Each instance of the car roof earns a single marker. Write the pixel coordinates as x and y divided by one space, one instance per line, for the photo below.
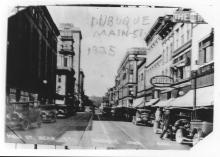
142 110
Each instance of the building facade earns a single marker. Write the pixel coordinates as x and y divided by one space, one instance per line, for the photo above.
153 58
139 100
31 56
127 76
65 80
82 90
77 60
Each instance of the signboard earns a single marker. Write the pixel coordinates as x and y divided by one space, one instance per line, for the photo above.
187 17
161 81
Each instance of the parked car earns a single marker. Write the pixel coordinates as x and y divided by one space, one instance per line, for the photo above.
179 118
62 111
48 113
23 115
200 126
106 112
142 116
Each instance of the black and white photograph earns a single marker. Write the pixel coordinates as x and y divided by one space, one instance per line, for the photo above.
108 76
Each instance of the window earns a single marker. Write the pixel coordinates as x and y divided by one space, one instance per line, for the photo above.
188 34
124 76
171 50
180 73
182 39
168 95
206 50
65 63
166 72
177 43
163 56
142 76
59 78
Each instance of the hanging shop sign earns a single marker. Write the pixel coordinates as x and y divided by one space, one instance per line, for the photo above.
188 16
161 81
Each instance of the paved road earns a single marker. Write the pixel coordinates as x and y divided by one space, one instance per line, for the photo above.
50 132
82 131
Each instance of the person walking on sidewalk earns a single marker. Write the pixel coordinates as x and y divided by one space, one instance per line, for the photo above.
167 123
158 115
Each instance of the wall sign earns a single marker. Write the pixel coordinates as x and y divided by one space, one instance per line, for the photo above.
161 81
187 17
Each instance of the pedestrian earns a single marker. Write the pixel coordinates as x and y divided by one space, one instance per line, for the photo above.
158 115
157 120
167 123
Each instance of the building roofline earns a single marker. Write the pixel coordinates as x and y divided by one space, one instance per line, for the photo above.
48 16
132 51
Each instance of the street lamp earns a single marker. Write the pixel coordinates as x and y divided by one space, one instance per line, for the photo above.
44 90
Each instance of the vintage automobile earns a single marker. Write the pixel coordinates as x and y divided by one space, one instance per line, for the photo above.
142 116
201 125
62 111
179 118
48 113
106 112
23 115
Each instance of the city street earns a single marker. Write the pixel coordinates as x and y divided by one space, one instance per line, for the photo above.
80 131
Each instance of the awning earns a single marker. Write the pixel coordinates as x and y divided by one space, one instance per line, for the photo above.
138 102
164 103
151 102
118 106
204 97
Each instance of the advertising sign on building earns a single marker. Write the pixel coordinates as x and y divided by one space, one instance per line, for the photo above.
161 81
188 16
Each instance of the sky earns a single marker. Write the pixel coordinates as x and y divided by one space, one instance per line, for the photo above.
106 35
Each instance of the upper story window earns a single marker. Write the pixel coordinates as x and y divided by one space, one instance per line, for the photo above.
182 39
177 43
65 63
124 76
206 54
167 55
59 78
188 34
142 77
163 56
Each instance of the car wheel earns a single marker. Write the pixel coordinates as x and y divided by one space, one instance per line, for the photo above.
179 136
25 125
197 136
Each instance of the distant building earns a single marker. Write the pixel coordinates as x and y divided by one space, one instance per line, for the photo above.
82 97
31 55
139 101
65 80
127 76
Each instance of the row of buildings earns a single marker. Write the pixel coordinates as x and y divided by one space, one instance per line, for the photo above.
43 61
176 68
